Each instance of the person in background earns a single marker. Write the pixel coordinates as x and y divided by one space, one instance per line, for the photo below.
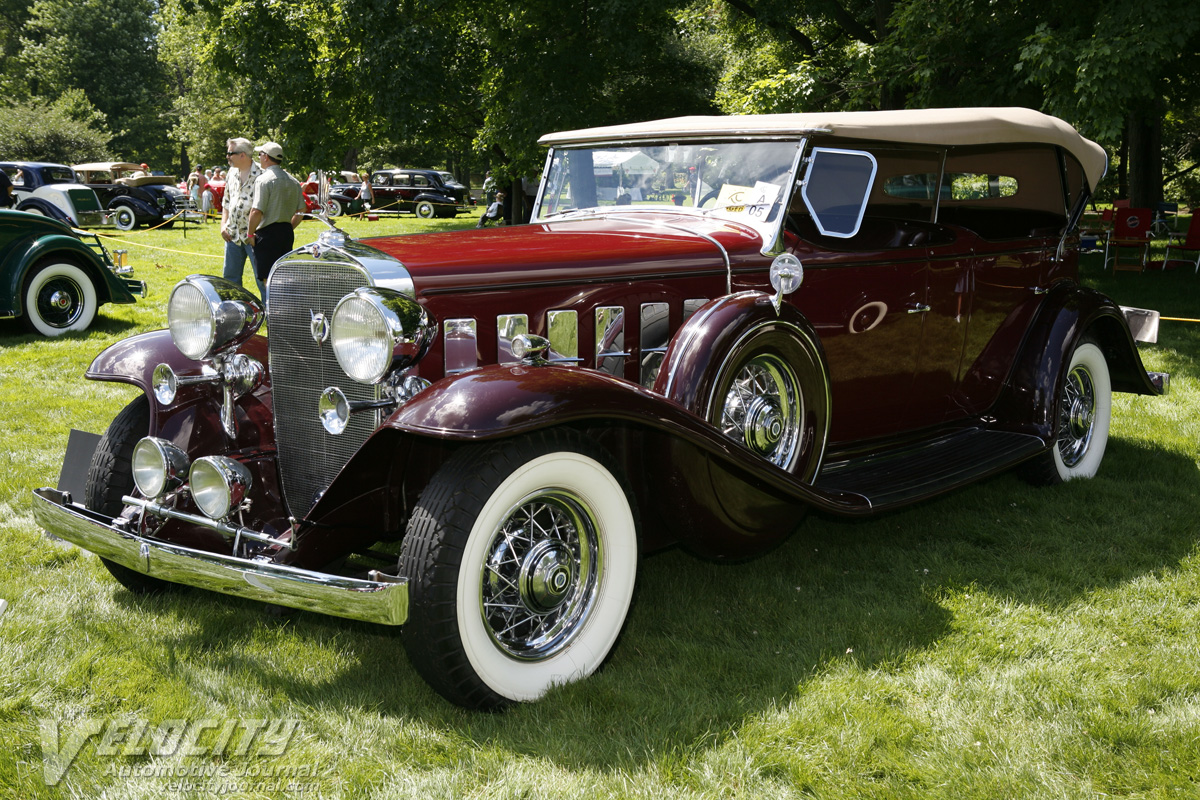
206 195
275 210
489 187
494 212
195 183
366 193
235 211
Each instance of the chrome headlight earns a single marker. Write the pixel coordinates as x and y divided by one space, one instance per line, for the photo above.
219 485
375 332
209 315
158 466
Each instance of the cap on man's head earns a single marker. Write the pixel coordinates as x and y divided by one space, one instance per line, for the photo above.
272 149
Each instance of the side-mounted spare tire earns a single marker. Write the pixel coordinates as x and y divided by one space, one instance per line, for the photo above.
758 375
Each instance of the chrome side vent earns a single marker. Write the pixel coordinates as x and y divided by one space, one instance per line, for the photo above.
460 343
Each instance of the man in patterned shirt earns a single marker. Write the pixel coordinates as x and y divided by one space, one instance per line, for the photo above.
235 210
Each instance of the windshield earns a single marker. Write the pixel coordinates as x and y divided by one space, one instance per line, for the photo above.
741 181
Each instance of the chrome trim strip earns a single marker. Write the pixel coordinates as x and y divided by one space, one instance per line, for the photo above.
381 601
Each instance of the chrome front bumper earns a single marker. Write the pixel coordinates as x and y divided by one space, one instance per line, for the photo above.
381 601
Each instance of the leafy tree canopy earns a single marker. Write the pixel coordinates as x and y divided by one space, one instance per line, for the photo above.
67 131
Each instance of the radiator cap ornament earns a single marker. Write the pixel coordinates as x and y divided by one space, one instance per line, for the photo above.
318 326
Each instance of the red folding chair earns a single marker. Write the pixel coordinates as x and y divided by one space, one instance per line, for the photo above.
1129 241
1191 242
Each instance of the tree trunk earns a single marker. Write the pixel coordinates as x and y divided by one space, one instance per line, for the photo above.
1145 161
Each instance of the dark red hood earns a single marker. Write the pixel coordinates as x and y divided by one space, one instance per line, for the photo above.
604 249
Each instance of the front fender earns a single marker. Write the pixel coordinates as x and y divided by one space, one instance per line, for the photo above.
501 401
1069 313
193 419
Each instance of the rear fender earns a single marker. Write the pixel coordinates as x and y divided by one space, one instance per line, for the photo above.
45 207
1069 313
141 208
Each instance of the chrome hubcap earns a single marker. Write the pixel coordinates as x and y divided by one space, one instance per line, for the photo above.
764 410
764 425
547 572
541 576
1077 415
60 300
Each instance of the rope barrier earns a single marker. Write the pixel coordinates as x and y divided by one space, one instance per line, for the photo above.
1179 319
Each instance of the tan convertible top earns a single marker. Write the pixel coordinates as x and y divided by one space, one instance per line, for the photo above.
937 126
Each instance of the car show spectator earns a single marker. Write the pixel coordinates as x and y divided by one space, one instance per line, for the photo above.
235 211
494 212
365 193
276 209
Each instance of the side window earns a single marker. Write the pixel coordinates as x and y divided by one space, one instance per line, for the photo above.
973 186
836 189
380 180
403 180
420 180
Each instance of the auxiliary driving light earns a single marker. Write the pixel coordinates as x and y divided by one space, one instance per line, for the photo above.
219 485
158 466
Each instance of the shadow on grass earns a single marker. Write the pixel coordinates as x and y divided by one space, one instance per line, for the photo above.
708 646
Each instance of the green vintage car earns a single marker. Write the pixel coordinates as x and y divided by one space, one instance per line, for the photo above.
54 277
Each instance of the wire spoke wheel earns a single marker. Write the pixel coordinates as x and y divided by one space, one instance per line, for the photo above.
521 558
541 575
1077 415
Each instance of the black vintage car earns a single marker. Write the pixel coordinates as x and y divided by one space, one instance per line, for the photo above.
135 197
420 191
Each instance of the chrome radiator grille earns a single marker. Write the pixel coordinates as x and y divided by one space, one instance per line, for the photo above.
301 368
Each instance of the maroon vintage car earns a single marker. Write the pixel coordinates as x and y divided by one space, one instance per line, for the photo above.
711 326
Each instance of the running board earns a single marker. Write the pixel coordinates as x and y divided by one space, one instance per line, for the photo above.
904 476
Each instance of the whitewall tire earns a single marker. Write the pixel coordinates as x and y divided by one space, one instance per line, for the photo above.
59 297
521 559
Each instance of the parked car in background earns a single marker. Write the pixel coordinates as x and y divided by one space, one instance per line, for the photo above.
55 278
344 199
713 326
418 191
133 196
53 191
458 188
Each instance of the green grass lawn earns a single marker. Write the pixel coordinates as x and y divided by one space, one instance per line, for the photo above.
1000 642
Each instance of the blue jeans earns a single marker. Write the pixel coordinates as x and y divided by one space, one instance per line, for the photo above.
235 265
